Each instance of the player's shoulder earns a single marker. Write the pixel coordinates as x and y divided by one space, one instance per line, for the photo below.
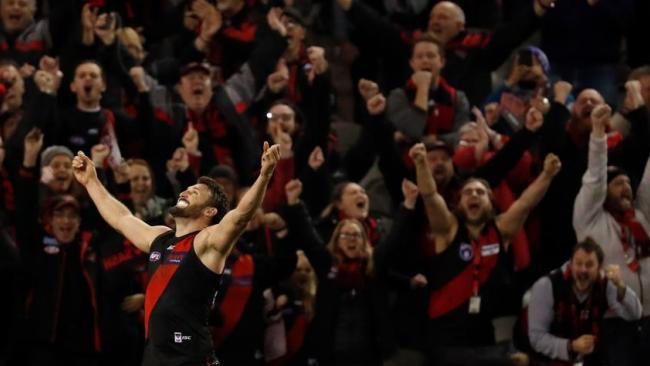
206 235
158 233
161 230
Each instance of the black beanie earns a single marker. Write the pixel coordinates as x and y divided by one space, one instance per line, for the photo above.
613 172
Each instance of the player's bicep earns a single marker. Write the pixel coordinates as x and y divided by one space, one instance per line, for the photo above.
511 221
222 236
140 233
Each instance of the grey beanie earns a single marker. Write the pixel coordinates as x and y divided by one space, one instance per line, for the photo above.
55 150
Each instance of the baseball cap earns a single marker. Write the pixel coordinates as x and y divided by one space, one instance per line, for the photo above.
61 201
613 172
439 145
295 15
196 66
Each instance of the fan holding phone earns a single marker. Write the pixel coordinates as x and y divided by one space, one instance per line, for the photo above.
525 86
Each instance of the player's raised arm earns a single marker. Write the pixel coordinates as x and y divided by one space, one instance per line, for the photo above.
113 211
223 235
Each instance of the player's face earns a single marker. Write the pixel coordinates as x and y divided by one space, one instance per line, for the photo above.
475 202
192 201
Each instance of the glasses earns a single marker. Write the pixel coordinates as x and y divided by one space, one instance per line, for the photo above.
284 117
352 236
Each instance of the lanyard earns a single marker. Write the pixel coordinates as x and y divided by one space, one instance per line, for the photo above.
628 242
476 263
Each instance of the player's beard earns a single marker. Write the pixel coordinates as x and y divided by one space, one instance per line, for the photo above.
486 215
186 212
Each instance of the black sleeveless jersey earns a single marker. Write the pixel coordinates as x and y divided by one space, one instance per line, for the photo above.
467 268
177 303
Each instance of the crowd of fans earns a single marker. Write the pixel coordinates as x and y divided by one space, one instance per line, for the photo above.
496 168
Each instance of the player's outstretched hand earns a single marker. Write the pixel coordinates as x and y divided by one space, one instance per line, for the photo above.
83 168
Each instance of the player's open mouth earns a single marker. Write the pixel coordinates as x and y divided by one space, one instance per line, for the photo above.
473 207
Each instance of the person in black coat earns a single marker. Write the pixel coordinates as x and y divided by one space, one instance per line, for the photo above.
62 311
349 327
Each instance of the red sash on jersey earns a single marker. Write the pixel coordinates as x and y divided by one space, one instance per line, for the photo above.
236 298
459 290
160 279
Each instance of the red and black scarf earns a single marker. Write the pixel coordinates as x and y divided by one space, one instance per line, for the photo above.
634 238
295 67
351 273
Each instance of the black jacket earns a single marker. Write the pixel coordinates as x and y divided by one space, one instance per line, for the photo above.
62 305
320 338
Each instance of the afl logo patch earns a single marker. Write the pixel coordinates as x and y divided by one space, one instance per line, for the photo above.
154 257
466 252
